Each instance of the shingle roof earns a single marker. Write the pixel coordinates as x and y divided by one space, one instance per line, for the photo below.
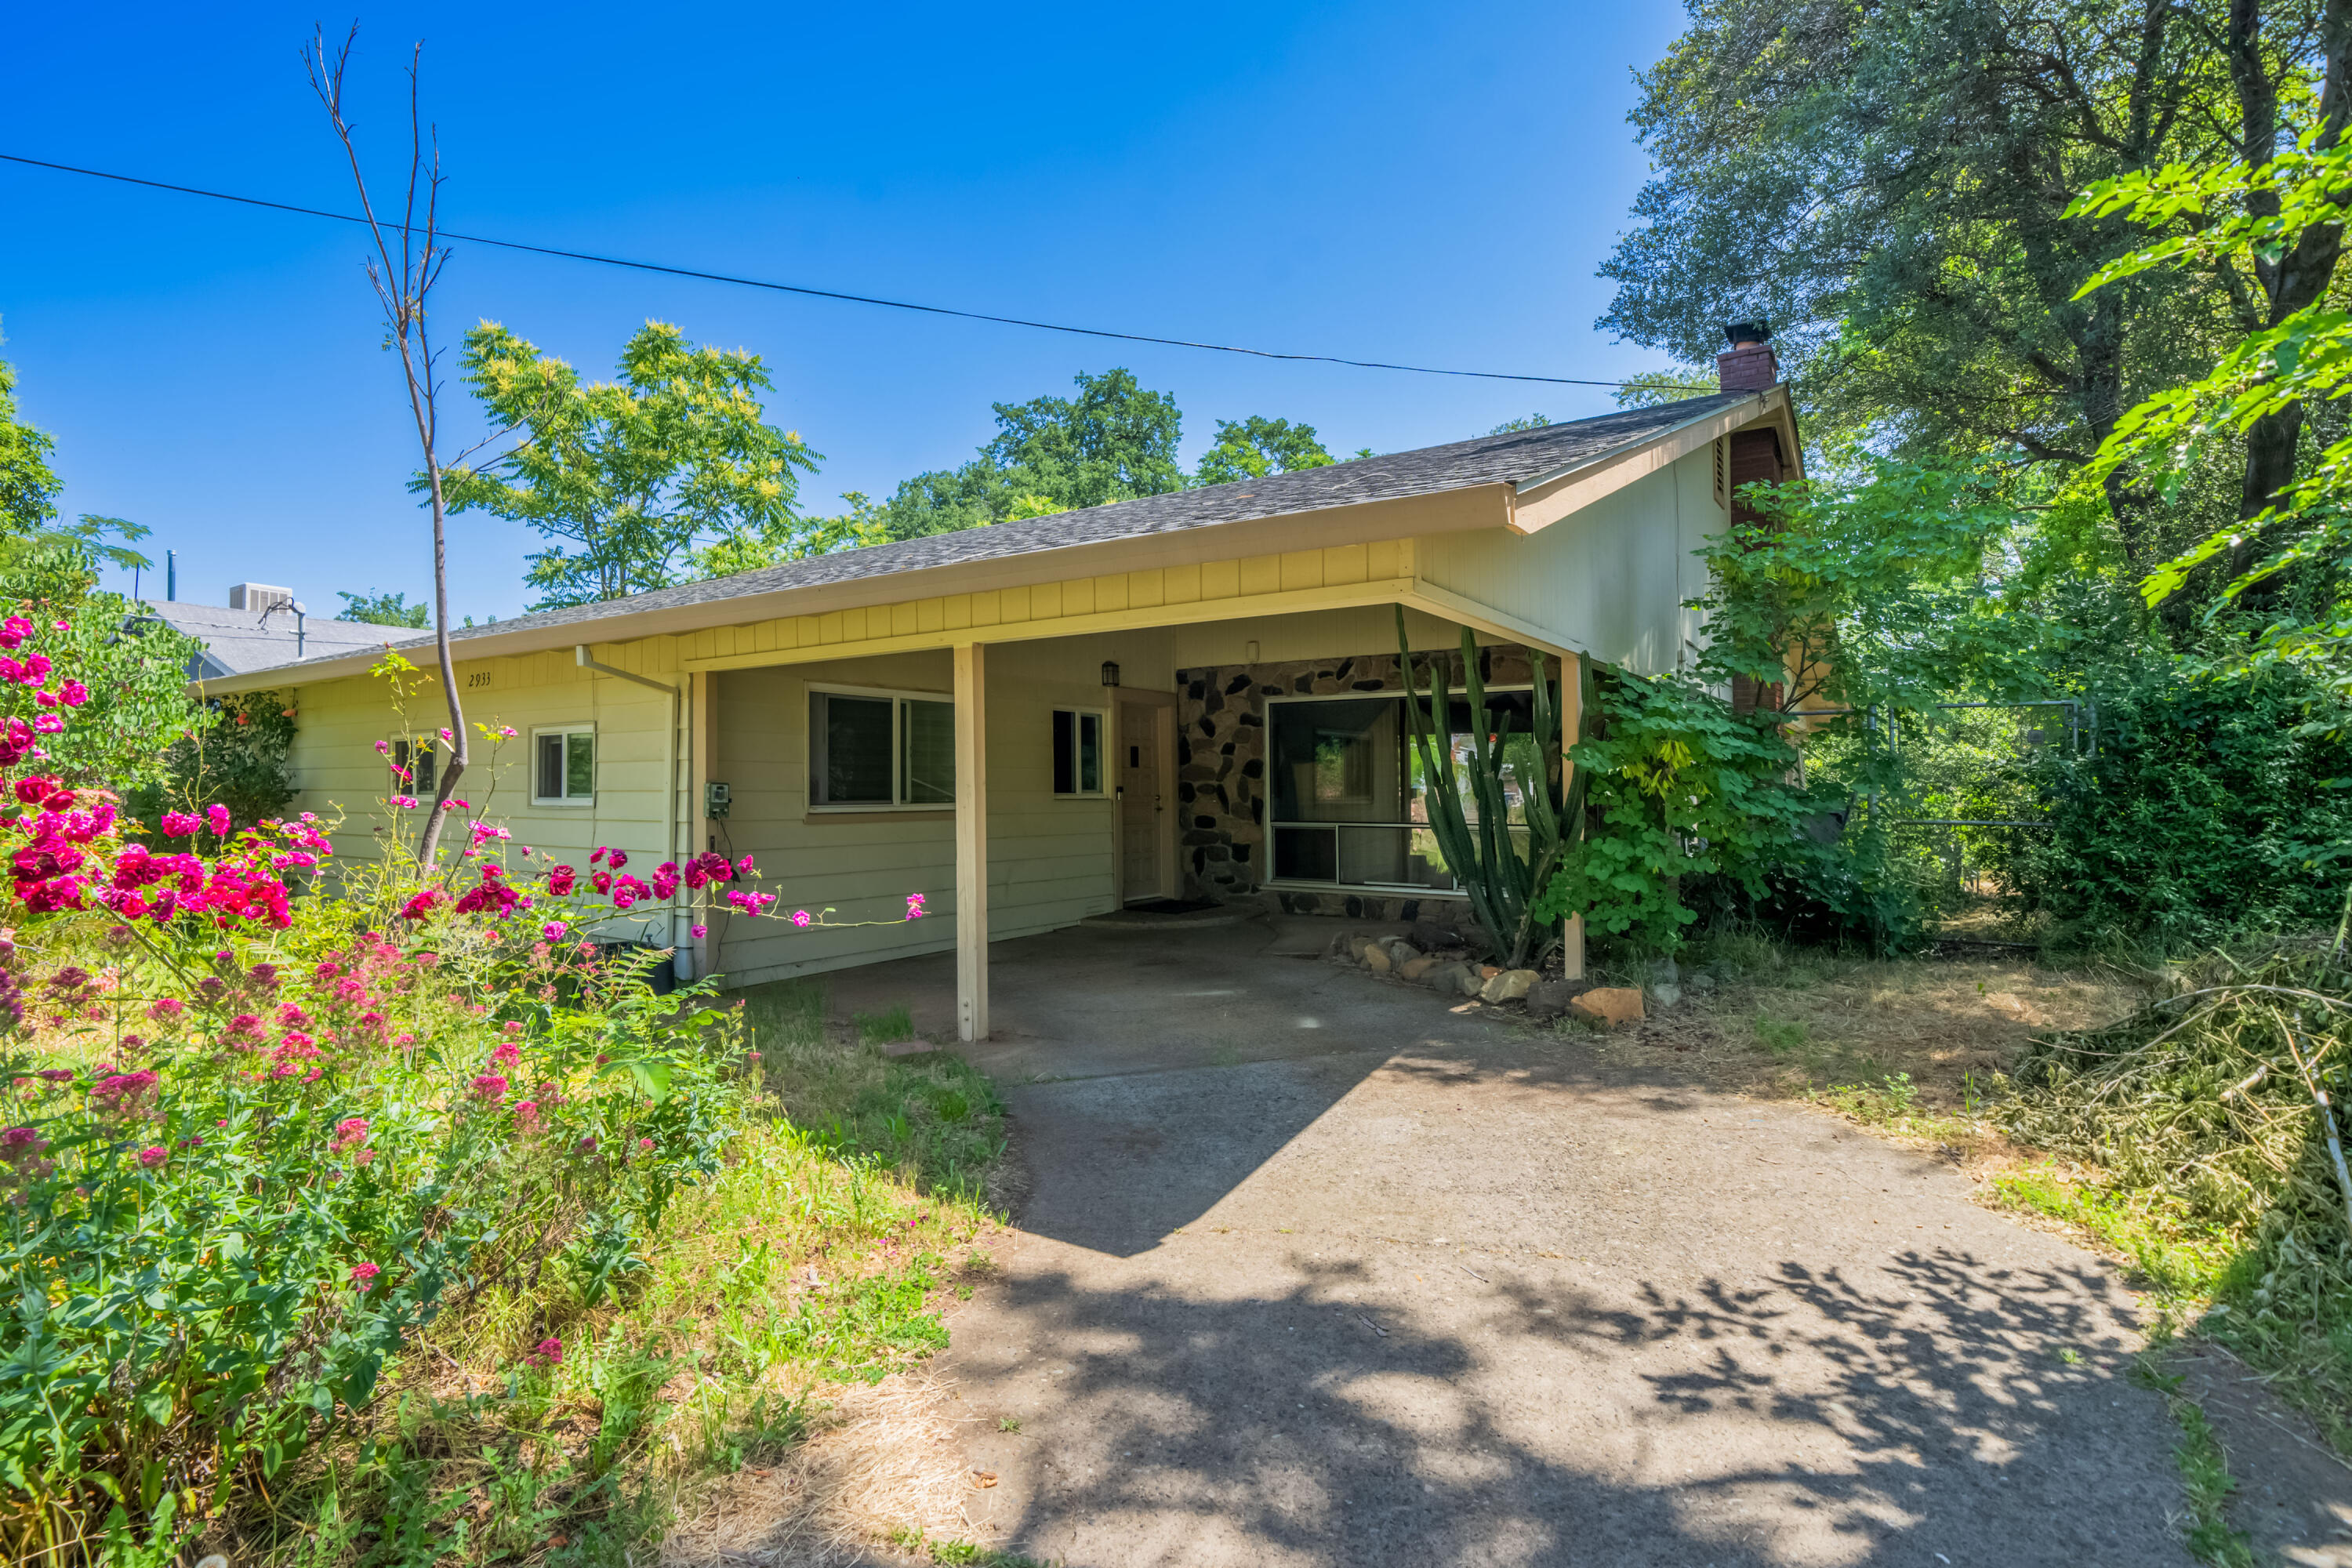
236 641
1518 457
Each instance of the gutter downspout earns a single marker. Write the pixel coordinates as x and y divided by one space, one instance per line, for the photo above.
669 783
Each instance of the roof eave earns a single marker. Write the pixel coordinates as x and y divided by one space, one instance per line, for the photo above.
1465 508
1539 502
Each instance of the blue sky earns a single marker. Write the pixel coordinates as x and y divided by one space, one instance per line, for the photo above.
1431 184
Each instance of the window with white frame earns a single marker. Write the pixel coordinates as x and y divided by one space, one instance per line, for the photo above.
880 750
1078 751
564 765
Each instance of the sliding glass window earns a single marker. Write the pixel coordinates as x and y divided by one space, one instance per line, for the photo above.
880 750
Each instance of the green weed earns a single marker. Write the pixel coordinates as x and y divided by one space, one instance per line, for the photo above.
963 1554
1781 1037
933 1118
2182 1260
885 1028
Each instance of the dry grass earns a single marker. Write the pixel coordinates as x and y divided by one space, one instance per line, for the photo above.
884 1463
1796 1024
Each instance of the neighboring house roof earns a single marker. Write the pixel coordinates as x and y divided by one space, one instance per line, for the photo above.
1522 459
237 641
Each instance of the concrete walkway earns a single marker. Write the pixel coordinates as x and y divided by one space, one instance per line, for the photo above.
1314 1271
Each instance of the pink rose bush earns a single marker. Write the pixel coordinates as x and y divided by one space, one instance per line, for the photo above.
256 1123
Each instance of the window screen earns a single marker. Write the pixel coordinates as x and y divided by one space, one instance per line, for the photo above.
1077 753
927 764
418 758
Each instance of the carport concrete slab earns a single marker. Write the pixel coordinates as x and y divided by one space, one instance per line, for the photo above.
1315 1271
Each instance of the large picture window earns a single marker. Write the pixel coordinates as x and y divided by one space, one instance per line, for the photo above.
564 765
880 750
1348 796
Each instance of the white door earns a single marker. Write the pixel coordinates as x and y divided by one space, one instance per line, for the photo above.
1142 800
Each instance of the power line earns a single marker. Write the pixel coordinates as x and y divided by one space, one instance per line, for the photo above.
837 294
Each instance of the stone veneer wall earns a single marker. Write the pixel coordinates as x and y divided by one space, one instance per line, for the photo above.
1221 774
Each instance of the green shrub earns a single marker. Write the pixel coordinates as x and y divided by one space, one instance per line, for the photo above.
2215 803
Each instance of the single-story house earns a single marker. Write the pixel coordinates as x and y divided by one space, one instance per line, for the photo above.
1181 696
261 627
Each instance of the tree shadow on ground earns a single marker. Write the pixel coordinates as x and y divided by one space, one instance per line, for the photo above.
1934 1409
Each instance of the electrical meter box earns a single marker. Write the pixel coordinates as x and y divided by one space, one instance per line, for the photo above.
716 799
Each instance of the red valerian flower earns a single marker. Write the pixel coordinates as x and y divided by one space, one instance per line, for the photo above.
364 1275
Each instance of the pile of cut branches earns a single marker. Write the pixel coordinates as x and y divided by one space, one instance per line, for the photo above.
2218 1106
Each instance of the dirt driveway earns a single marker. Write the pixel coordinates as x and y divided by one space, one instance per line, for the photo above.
1312 1270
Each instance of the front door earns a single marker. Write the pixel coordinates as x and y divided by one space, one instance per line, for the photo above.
1140 803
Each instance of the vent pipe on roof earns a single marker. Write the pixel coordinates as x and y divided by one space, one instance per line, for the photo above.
171 575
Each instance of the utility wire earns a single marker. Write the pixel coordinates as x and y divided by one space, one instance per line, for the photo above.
837 294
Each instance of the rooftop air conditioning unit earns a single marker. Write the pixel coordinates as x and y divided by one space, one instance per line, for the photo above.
258 596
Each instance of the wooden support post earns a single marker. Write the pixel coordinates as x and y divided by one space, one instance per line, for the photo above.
972 840
1571 730
702 751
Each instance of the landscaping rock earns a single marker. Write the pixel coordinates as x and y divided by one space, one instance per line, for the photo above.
1666 996
1357 943
1489 971
1549 998
1508 985
1701 979
1446 979
1415 968
1377 960
1402 952
1610 1005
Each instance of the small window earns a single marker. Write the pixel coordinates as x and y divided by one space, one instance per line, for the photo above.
880 750
563 766
1077 752
416 760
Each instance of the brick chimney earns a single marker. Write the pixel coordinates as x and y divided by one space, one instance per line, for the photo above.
1749 365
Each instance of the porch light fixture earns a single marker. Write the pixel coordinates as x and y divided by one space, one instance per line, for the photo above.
1110 673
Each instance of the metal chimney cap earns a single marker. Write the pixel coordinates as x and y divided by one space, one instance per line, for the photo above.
1747 334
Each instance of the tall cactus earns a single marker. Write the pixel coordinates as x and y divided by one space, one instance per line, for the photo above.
1503 885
